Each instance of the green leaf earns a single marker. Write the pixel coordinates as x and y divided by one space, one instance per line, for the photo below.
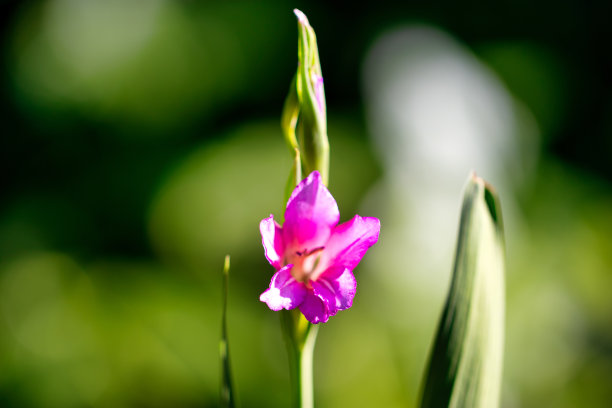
465 365
227 389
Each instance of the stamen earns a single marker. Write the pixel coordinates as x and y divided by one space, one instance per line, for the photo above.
305 262
315 250
312 260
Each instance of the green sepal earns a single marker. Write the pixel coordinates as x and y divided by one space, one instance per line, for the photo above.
295 175
465 365
289 118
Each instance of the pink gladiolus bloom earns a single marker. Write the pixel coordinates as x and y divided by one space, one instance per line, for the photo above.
314 256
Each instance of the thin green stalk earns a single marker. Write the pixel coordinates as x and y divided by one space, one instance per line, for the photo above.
300 337
227 389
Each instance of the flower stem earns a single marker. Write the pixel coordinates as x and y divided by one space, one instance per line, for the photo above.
300 337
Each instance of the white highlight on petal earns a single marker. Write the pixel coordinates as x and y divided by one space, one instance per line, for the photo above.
284 291
272 297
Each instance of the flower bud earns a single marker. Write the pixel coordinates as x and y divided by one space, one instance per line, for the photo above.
304 113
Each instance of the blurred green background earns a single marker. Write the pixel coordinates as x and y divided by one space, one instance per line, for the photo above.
141 143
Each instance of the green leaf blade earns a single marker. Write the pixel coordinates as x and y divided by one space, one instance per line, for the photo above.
466 362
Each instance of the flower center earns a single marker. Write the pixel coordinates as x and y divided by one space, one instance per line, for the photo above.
304 262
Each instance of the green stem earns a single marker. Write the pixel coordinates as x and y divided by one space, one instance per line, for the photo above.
304 370
300 337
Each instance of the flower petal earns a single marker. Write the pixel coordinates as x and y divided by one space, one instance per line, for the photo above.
337 287
310 216
348 243
284 292
324 291
314 308
272 240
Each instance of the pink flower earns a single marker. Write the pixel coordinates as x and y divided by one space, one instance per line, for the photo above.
314 256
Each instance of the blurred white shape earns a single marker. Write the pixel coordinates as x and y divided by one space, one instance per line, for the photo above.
433 106
436 114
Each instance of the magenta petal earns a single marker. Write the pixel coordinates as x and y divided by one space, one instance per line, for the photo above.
314 308
310 216
349 242
272 240
325 292
337 287
284 292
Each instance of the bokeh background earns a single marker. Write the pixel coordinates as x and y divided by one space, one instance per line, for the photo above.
140 143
